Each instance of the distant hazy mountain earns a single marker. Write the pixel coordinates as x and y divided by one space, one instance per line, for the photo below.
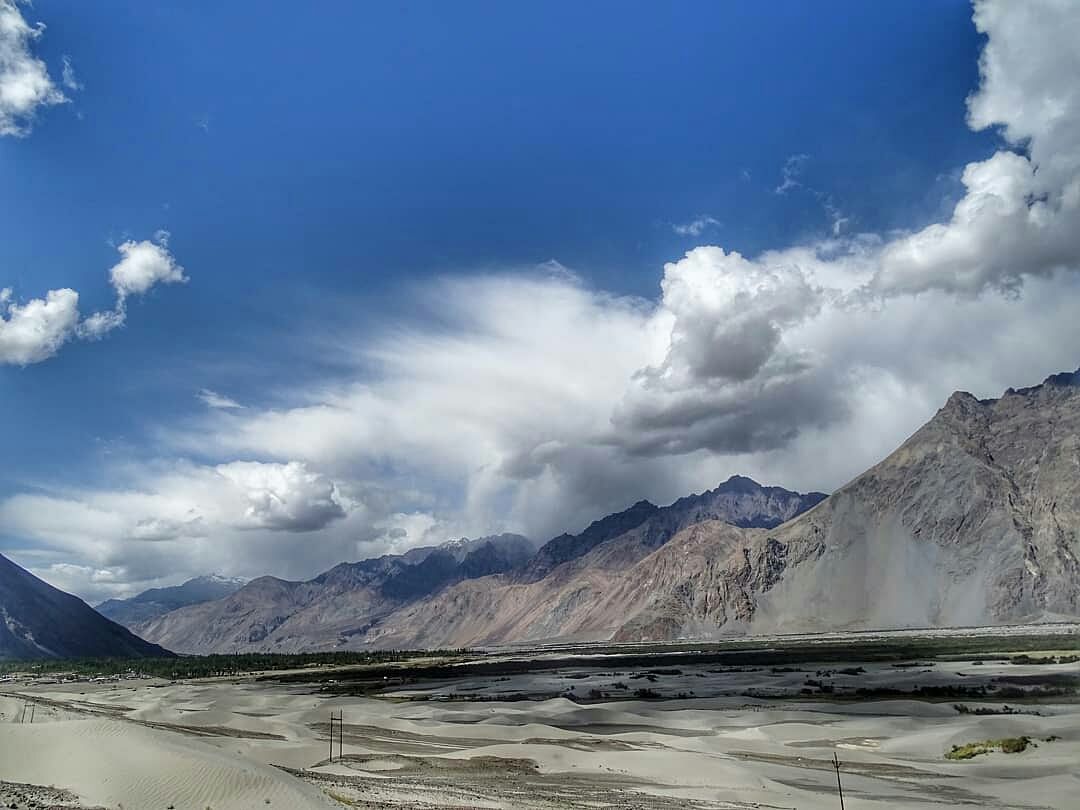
158 601
39 621
335 608
347 606
974 520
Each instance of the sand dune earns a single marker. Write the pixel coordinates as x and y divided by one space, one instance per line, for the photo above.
113 764
457 744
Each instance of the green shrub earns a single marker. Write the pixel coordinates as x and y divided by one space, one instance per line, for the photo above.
1007 745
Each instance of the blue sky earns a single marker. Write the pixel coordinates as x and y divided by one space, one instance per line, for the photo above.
366 201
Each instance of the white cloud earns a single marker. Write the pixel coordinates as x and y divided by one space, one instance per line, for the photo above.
35 331
404 530
99 324
144 265
67 75
1020 213
695 227
727 315
285 497
751 363
516 359
212 399
155 529
183 520
25 85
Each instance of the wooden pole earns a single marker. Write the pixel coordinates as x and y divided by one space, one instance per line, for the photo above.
341 734
331 737
839 787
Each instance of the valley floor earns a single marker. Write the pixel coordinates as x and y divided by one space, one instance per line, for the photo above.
660 738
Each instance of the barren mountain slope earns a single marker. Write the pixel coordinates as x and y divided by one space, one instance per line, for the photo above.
40 621
973 520
516 593
331 610
577 598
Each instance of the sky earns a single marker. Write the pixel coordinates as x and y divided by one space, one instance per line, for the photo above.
282 287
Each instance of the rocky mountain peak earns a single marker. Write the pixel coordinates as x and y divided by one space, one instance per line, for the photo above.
739 483
1063 380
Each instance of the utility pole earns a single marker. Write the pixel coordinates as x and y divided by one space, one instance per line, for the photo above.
341 734
839 787
331 737
340 718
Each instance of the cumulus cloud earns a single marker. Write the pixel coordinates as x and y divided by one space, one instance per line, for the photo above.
743 372
1021 208
727 315
35 331
143 265
25 85
732 378
181 520
186 500
695 227
285 497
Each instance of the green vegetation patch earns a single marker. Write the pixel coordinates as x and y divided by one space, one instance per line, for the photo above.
1007 745
206 666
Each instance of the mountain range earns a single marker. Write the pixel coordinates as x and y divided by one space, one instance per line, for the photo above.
39 621
352 605
335 609
974 520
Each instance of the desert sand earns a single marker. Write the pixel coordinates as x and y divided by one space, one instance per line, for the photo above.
537 740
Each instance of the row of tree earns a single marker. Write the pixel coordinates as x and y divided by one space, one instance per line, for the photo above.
205 666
